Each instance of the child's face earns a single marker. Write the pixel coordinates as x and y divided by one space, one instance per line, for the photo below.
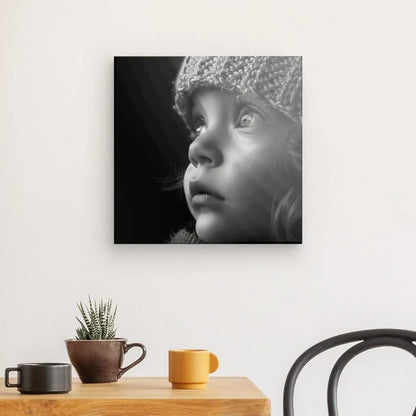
238 166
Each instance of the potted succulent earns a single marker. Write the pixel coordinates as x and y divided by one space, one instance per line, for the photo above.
96 354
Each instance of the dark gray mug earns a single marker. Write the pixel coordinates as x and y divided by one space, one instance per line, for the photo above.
41 378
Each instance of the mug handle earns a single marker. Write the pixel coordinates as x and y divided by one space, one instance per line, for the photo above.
6 376
141 358
213 362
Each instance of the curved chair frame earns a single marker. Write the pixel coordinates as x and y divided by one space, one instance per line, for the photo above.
370 339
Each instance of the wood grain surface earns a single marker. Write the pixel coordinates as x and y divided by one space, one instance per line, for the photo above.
150 396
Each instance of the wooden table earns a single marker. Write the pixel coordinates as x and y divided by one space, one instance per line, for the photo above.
147 396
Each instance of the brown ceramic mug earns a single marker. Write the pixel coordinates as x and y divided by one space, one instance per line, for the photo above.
100 361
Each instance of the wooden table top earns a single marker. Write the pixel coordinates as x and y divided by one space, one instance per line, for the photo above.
144 396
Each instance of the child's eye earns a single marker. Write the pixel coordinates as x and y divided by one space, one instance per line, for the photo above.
198 127
250 118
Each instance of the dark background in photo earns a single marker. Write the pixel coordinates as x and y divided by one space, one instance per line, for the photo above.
150 149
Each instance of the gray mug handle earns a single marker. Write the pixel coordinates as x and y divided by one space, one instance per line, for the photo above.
6 376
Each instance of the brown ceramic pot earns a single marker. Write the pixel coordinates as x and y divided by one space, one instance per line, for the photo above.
100 361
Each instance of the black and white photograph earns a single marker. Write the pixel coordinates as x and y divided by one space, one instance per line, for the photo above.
208 149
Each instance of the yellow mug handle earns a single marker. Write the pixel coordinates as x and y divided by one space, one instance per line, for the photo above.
213 362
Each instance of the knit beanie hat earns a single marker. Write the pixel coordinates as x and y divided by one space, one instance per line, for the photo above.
276 80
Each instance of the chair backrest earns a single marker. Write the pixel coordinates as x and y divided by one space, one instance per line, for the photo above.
371 338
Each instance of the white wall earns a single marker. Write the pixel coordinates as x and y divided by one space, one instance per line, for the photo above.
257 307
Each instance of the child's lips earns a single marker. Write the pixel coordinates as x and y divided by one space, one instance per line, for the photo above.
205 199
202 194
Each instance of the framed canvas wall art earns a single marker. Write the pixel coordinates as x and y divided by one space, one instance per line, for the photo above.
208 149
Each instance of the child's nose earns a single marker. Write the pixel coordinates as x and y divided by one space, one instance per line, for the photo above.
204 150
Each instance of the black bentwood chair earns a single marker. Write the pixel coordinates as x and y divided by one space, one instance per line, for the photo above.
369 339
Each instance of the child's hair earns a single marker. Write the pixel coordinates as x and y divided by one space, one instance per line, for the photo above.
276 81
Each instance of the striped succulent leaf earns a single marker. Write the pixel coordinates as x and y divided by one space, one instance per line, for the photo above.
97 320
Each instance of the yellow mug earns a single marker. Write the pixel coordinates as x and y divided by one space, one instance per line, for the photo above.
190 369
